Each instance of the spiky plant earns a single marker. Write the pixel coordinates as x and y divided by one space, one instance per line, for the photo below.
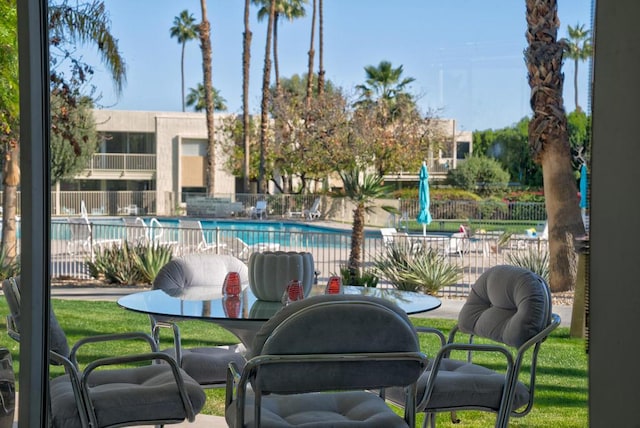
537 261
150 258
410 270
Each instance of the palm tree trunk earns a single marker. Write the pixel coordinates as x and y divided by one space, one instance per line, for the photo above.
276 66
10 182
264 114
182 73
549 141
311 55
246 62
575 85
321 49
355 256
205 41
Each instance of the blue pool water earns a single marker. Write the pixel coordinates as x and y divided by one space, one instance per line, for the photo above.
251 232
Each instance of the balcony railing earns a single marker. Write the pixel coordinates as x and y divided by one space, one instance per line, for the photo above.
122 162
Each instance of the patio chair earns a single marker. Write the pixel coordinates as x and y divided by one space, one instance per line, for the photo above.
313 212
260 210
82 239
317 362
198 276
95 395
240 249
193 239
509 307
135 230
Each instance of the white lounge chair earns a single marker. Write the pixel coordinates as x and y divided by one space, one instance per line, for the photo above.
193 239
240 249
313 212
82 239
260 210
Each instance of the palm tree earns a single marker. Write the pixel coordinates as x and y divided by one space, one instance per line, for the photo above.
578 48
264 106
205 45
321 48
196 99
383 83
289 9
246 62
549 141
311 55
362 189
184 29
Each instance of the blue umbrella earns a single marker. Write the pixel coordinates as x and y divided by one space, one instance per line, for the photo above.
424 216
583 186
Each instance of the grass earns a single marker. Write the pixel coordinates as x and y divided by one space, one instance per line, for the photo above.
561 392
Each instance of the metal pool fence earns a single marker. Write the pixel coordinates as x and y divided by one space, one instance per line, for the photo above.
75 243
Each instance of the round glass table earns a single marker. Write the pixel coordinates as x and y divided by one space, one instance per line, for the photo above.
244 314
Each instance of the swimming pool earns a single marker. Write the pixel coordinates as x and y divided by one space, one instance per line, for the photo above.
286 233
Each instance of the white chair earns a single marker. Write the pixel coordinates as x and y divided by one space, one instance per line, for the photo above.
260 210
314 211
193 239
82 239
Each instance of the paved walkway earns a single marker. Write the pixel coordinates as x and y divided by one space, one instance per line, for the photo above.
449 309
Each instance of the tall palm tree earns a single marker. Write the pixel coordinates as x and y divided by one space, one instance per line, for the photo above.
196 99
246 62
264 105
288 9
578 48
549 140
362 189
311 55
383 83
321 48
184 29
205 45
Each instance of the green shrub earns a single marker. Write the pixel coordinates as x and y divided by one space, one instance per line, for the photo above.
411 269
129 264
362 279
481 174
151 258
535 260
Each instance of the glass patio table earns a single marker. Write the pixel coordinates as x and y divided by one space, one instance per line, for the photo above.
243 315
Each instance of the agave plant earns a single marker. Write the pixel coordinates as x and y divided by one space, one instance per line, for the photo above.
411 270
150 258
537 261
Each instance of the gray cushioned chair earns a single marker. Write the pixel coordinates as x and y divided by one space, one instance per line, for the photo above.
315 363
197 276
511 307
100 396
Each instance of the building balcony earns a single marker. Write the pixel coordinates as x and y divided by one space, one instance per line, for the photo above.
127 166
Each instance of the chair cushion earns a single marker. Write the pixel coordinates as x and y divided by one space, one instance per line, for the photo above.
146 394
462 384
507 304
208 365
319 410
337 324
198 274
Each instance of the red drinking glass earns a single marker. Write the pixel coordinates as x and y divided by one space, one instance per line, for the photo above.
334 286
294 292
231 306
231 284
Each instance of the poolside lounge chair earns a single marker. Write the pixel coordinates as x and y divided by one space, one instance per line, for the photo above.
313 212
240 249
82 239
193 239
260 210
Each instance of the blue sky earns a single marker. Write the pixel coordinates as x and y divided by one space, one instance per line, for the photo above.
466 55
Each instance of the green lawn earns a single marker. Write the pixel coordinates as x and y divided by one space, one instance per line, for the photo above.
561 396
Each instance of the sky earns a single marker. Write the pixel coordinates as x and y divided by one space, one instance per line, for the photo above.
466 56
